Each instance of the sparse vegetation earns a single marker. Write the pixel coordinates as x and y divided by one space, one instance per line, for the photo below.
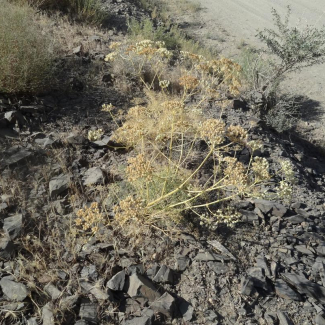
84 11
289 49
26 55
166 134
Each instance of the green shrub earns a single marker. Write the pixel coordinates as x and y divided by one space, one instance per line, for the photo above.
295 47
25 54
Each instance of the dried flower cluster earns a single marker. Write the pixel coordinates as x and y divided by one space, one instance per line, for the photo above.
94 135
235 172
89 218
213 131
287 170
260 167
189 82
236 134
139 167
129 209
107 107
284 190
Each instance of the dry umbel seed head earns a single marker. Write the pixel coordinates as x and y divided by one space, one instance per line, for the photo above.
139 167
236 134
94 135
235 173
189 82
213 130
260 167
89 218
129 209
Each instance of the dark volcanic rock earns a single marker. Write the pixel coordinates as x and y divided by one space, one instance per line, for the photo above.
276 209
59 185
116 283
284 291
284 318
164 275
166 305
140 286
305 286
7 249
18 157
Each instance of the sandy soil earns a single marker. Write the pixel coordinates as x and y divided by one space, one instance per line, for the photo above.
228 24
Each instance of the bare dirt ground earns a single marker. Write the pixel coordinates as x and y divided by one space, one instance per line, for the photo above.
229 25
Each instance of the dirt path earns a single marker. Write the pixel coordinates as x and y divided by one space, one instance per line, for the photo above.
230 24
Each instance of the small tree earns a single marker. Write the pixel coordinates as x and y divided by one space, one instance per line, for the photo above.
296 47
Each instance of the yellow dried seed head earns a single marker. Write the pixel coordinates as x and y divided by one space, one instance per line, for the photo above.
213 130
89 217
128 209
189 82
139 167
110 57
255 145
173 105
115 45
235 172
260 167
236 134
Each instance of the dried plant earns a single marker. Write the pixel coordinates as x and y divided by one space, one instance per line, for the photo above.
163 182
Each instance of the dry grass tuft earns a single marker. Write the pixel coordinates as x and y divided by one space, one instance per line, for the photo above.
26 55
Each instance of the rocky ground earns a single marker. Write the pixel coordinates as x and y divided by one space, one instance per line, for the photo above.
267 269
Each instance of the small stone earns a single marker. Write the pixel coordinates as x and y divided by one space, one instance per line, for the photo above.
12 226
166 305
284 291
186 310
304 250
320 319
7 249
69 302
116 283
13 290
59 185
140 286
276 209
209 256
143 320
284 318
89 272
216 244
247 287
305 286
88 312
218 267
295 220
47 314
53 291
18 157
96 291
94 175
257 275
32 321
182 262
164 275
